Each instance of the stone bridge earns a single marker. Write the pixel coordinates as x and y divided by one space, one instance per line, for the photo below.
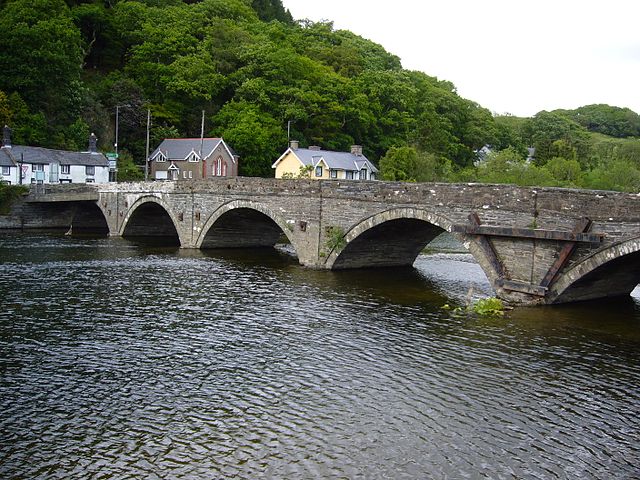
536 245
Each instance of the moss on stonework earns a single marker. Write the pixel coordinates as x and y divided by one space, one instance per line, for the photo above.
8 195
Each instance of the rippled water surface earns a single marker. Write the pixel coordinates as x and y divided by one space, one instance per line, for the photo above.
124 361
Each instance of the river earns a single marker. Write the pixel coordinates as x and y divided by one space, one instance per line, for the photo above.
124 360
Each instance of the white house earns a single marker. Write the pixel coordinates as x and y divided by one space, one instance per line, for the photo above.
26 165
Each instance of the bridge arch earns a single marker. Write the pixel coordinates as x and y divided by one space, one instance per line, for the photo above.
150 216
612 271
88 217
244 224
396 237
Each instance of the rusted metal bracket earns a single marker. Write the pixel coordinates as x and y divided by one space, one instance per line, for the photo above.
567 250
577 235
523 287
486 246
538 234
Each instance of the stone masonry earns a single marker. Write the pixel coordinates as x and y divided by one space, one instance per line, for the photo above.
529 241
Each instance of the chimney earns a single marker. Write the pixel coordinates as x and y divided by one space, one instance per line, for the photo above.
6 137
93 142
293 144
314 147
356 150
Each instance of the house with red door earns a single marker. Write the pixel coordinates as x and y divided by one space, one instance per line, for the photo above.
185 159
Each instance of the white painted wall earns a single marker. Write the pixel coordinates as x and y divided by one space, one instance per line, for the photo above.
77 174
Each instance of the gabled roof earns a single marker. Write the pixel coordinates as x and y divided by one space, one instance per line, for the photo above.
180 148
5 158
39 155
333 160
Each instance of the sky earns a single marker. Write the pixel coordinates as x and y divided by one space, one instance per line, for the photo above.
510 56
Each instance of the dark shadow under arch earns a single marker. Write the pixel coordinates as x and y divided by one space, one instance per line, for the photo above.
89 219
151 220
393 243
616 278
243 228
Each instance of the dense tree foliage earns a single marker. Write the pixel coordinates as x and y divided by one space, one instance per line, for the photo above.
254 71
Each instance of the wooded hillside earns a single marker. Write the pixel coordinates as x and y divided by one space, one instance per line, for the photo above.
253 69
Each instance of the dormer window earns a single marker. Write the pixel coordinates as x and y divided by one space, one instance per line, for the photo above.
363 174
161 157
193 157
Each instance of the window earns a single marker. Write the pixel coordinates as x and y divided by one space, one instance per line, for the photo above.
363 174
90 170
90 180
194 157
318 171
65 169
219 168
349 174
190 174
372 176
6 170
333 173
38 168
184 174
161 158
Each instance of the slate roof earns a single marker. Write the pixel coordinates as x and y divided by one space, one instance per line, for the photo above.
333 160
180 148
39 155
5 159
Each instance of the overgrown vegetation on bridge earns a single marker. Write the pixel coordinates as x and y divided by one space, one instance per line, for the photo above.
8 194
253 69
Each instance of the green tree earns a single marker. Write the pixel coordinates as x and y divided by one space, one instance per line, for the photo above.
41 56
601 118
255 135
620 175
6 114
566 171
128 171
509 166
545 128
410 165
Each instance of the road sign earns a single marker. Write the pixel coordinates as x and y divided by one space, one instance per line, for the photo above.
112 156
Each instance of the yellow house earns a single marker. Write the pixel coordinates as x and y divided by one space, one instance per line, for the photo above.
320 164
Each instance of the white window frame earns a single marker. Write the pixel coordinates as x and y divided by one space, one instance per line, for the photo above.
6 170
348 175
363 174
65 169
318 170
90 170
161 158
194 157
333 173
37 167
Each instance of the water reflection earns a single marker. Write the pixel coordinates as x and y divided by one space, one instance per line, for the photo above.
123 361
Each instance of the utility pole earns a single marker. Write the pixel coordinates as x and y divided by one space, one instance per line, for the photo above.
117 115
146 160
204 164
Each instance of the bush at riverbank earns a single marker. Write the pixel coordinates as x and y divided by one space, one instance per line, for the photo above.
8 194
